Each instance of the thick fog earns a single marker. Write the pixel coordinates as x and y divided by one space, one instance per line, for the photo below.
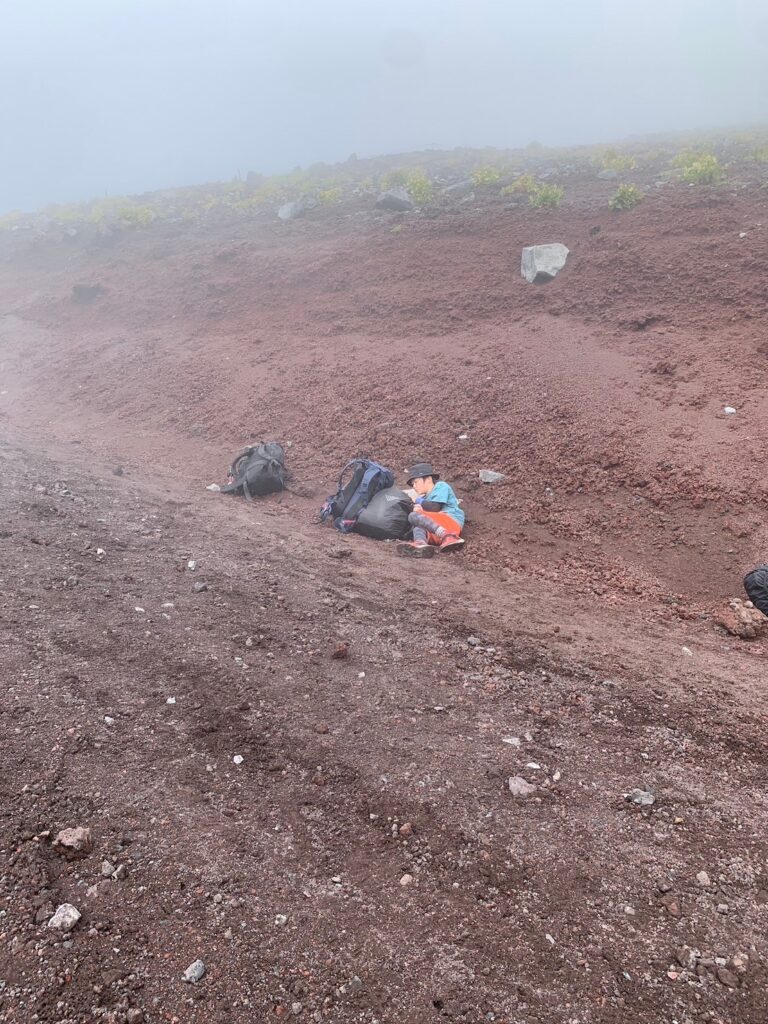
120 96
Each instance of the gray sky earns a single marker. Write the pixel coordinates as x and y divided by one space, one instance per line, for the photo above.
119 96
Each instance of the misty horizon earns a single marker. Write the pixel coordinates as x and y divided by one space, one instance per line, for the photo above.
122 98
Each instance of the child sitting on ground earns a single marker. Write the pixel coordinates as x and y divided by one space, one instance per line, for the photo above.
437 517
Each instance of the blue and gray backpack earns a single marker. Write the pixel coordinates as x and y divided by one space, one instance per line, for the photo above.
366 478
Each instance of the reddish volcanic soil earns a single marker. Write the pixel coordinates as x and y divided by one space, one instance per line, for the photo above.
367 861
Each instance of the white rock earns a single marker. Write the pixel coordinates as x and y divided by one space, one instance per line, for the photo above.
194 972
280 920
171 700
489 476
192 564
463 437
406 880
729 410
238 758
65 918
108 720
641 797
687 652
213 487
519 787
540 263
703 880
511 741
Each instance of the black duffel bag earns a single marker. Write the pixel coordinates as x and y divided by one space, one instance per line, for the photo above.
258 470
756 586
385 517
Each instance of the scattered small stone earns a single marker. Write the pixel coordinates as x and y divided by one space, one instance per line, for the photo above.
520 788
723 908
120 872
170 700
118 471
281 919
630 911
340 651
200 588
134 1016
107 868
406 830
65 918
703 879
192 565
74 842
729 410
406 880
213 487
687 652
108 720
727 978
463 437
296 1009
194 972
238 758
490 476
511 741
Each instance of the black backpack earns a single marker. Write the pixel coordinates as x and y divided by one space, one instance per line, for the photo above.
385 517
756 586
258 470
367 479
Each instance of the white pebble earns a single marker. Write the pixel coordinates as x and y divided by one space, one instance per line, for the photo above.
238 758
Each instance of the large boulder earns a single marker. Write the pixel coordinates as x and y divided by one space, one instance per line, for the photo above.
396 199
540 263
742 619
297 208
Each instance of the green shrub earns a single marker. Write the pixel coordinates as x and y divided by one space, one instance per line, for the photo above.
546 197
416 181
620 162
486 175
699 168
329 196
396 178
626 197
11 220
419 187
523 185
138 216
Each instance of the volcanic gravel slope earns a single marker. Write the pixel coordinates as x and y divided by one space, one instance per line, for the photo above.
366 860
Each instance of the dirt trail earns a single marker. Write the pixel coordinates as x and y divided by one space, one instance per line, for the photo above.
571 645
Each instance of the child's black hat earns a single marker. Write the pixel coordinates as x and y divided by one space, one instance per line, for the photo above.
421 469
